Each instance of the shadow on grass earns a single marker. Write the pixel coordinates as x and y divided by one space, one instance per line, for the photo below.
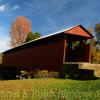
72 71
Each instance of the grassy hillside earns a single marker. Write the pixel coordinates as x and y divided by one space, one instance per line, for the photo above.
49 89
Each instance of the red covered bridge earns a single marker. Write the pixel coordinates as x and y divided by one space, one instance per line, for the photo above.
52 51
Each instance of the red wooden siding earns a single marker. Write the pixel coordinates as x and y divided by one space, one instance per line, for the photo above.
78 31
86 53
47 56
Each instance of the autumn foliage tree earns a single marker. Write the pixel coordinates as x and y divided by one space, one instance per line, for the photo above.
97 35
95 43
19 31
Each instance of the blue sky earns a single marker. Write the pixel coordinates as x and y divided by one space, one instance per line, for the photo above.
47 16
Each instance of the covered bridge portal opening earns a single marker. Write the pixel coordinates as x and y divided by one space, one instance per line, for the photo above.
77 45
77 49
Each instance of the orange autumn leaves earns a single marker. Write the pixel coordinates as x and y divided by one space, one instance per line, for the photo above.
19 31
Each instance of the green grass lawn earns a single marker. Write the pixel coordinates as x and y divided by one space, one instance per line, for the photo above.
49 89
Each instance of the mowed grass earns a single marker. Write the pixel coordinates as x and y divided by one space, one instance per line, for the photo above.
50 89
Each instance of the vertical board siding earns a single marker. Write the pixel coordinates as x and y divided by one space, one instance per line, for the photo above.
45 56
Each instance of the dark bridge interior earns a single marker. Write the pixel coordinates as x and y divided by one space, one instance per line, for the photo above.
77 49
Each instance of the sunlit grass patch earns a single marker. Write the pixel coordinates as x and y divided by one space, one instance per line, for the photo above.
49 89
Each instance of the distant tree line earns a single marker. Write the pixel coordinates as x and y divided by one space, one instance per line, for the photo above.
95 44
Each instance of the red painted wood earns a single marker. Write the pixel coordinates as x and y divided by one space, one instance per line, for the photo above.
48 57
78 31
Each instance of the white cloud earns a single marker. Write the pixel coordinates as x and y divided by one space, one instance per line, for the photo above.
16 7
2 8
5 7
4 44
